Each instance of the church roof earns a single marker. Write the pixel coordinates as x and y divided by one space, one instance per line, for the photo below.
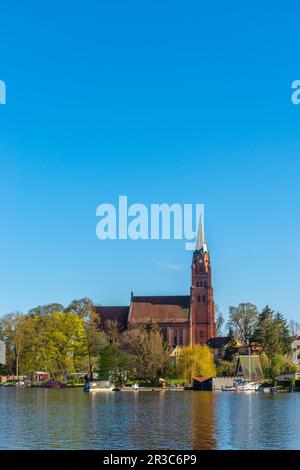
113 313
160 309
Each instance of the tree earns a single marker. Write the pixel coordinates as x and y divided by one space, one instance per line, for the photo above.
243 321
294 327
83 307
281 365
54 342
227 368
219 320
46 309
13 327
95 340
114 364
272 333
111 328
149 353
196 361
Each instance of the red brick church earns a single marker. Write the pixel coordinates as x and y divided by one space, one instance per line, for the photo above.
184 319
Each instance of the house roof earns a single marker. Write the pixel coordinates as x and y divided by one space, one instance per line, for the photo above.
113 313
175 351
201 379
160 309
250 367
218 342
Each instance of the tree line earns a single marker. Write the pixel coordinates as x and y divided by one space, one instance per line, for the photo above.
52 338
269 329
64 340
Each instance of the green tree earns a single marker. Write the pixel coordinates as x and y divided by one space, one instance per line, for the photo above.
54 342
265 364
243 321
114 364
272 332
95 339
196 361
227 368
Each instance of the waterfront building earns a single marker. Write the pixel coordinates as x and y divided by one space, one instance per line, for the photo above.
184 319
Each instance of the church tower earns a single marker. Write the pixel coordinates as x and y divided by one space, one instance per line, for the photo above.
202 311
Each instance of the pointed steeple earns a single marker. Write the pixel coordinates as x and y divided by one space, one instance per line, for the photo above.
201 243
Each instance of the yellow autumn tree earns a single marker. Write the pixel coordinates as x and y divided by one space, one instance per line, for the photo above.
196 361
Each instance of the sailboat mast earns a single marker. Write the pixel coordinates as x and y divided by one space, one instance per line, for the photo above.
249 363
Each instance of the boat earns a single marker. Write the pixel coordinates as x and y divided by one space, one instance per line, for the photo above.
98 386
242 385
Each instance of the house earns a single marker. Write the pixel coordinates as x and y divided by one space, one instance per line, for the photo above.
212 383
249 367
174 355
218 347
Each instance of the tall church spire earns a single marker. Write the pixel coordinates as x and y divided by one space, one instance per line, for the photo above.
201 243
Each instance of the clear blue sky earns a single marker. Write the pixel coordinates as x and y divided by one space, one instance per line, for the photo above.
164 101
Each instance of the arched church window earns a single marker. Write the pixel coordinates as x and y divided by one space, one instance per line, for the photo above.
199 299
175 337
180 338
204 298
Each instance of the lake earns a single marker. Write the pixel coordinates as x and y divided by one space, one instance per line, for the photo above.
33 418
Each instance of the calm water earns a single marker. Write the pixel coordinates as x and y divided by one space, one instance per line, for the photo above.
72 419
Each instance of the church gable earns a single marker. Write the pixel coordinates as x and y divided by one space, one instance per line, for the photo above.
159 309
120 314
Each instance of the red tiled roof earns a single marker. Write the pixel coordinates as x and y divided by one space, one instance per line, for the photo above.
201 379
160 309
113 313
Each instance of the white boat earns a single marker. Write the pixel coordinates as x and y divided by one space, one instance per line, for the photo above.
242 385
246 386
99 386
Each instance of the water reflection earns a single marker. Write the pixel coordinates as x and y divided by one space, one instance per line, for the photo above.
71 419
203 420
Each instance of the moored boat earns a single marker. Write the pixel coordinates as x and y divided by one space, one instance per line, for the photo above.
98 386
242 385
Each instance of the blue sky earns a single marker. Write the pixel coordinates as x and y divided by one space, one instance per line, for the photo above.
163 102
